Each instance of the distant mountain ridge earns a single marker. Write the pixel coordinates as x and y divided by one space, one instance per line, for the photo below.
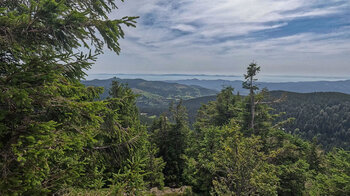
299 87
154 94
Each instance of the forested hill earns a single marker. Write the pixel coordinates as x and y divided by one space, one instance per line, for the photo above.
300 87
154 93
325 115
322 114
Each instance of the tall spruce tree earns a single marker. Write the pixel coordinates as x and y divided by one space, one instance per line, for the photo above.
48 119
249 84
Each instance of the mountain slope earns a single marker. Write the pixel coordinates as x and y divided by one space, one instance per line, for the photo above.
323 114
326 115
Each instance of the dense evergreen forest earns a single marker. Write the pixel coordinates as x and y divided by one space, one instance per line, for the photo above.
321 115
58 138
324 115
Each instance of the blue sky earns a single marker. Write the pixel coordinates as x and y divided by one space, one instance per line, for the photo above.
288 37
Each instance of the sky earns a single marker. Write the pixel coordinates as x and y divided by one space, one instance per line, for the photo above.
284 37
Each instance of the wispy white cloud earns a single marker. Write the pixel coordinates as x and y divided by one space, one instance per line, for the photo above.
180 36
184 27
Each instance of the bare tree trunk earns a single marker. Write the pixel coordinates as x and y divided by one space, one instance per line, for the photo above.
252 104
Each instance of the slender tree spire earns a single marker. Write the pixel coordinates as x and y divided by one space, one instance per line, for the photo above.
249 83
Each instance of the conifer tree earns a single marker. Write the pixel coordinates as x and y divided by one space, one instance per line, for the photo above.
335 179
221 111
249 84
242 166
171 137
48 119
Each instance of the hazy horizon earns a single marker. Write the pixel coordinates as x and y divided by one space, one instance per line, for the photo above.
179 76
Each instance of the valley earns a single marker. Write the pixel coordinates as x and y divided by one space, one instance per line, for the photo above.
325 115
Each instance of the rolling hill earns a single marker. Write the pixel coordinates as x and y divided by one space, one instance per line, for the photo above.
154 94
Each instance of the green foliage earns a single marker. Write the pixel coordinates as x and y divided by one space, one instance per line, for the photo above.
227 157
53 133
242 167
263 120
286 161
155 166
57 137
129 180
200 167
219 112
315 156
171 137
335 179
129 160
325 115
252 70
50 131
224 162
